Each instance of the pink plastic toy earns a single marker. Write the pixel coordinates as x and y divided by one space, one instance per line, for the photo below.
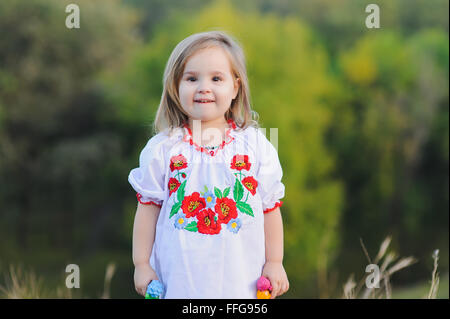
264 288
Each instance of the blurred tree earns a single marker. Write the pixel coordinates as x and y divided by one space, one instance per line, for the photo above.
395 104
154 12
339 23
58 150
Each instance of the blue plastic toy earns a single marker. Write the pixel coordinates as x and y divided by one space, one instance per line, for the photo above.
155 290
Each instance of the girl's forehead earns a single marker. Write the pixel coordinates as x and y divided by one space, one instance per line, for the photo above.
212 59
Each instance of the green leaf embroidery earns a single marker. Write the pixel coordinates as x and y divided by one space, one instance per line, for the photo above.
175 208
245 208
192 226
180 192
238 191
226 192
217 192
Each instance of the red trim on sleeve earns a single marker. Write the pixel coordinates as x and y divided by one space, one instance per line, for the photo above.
139 196
268 210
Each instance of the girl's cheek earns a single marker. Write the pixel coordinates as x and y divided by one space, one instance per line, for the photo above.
184 90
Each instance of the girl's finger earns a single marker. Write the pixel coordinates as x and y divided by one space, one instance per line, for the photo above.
280 291
275 290
283 288
141 291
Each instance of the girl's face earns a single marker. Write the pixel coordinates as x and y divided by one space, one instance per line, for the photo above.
207 85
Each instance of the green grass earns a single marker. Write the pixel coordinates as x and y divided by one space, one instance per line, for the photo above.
421 290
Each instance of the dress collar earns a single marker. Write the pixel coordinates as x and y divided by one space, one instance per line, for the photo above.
228 139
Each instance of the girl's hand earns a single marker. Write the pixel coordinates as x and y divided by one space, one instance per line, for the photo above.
278 278
143 275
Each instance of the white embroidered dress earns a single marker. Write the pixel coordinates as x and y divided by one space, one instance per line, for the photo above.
209 240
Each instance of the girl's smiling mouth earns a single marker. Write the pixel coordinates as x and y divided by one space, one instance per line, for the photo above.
203 101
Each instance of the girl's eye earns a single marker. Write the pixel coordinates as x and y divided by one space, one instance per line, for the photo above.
215 79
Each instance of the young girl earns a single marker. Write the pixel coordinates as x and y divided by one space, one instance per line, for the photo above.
208 222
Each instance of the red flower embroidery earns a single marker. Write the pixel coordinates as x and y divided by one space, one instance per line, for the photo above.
178 162
225 209
173 185
240 162
250 183
206 223
191 205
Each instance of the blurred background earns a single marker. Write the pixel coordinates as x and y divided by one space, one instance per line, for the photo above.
363 135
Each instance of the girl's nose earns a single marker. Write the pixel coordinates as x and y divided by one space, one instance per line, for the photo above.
203 87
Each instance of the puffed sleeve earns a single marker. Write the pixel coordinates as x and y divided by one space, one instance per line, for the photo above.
269 175
148 179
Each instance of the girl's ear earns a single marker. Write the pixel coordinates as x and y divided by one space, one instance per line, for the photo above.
237 84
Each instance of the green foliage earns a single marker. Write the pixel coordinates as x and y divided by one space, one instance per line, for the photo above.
399 96
60 158
362 119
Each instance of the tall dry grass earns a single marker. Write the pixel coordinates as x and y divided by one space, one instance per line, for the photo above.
22 284
385 261
434 277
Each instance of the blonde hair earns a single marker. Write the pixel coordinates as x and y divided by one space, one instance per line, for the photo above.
170 114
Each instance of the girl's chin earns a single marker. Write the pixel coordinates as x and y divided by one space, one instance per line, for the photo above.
208 117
